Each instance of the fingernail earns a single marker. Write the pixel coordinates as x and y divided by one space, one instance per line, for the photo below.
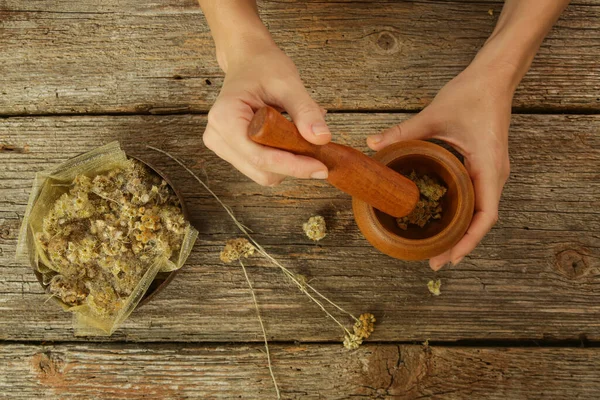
376 139
320 128
319 175
457 261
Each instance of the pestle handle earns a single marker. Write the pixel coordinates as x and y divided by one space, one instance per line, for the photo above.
349 170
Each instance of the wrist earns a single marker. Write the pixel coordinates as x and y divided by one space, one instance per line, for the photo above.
236 28
504 62
243 44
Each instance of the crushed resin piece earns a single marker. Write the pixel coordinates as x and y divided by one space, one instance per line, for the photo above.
235 249
315 229
428 207
362 330
434 287
491 12
106 231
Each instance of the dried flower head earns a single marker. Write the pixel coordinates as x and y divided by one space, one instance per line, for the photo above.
352 341
315 229
235 249
105 232
70 291
365 325
434 287
362 330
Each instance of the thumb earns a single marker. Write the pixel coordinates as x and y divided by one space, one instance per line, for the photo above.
307 115
418 127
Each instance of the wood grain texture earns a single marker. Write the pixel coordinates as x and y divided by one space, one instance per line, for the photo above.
304 372
535 276
137 56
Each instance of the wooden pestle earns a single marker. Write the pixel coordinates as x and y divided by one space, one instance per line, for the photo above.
349 170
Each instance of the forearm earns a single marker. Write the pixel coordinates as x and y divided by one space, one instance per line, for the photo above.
234 25
520 30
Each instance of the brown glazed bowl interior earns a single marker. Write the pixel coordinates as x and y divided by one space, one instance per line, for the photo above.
437 236
162 279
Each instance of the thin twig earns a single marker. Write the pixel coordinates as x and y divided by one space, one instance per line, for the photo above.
260 249
50 297
301 287
262 326
105 197
330 302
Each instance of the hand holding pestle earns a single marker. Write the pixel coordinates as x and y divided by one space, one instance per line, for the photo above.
349 170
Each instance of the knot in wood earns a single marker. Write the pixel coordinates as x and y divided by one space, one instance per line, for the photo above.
46 365
571 264
387 42
7 227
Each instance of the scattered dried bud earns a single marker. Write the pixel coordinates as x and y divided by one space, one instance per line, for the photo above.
235 249
315 229
434 287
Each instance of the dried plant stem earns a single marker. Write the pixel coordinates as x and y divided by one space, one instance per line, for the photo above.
301 286
262 326
331 302
105 197
50 298
261 250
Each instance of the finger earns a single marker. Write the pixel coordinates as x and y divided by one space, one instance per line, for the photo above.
215 142
420 126
437 262
481 224
487 198
268 159
306 114
281 162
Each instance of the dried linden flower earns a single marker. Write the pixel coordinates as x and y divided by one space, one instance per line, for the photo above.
106 231
315 229
434 287
235 249
428 207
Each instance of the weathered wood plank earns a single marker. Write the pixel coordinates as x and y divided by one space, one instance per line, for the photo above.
139 56
536 275
303 372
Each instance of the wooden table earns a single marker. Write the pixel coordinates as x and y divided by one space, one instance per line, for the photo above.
519 318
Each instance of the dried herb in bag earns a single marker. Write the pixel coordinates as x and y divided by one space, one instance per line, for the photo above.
98 229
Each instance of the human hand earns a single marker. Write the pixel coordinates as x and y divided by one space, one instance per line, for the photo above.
472 113
262 75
